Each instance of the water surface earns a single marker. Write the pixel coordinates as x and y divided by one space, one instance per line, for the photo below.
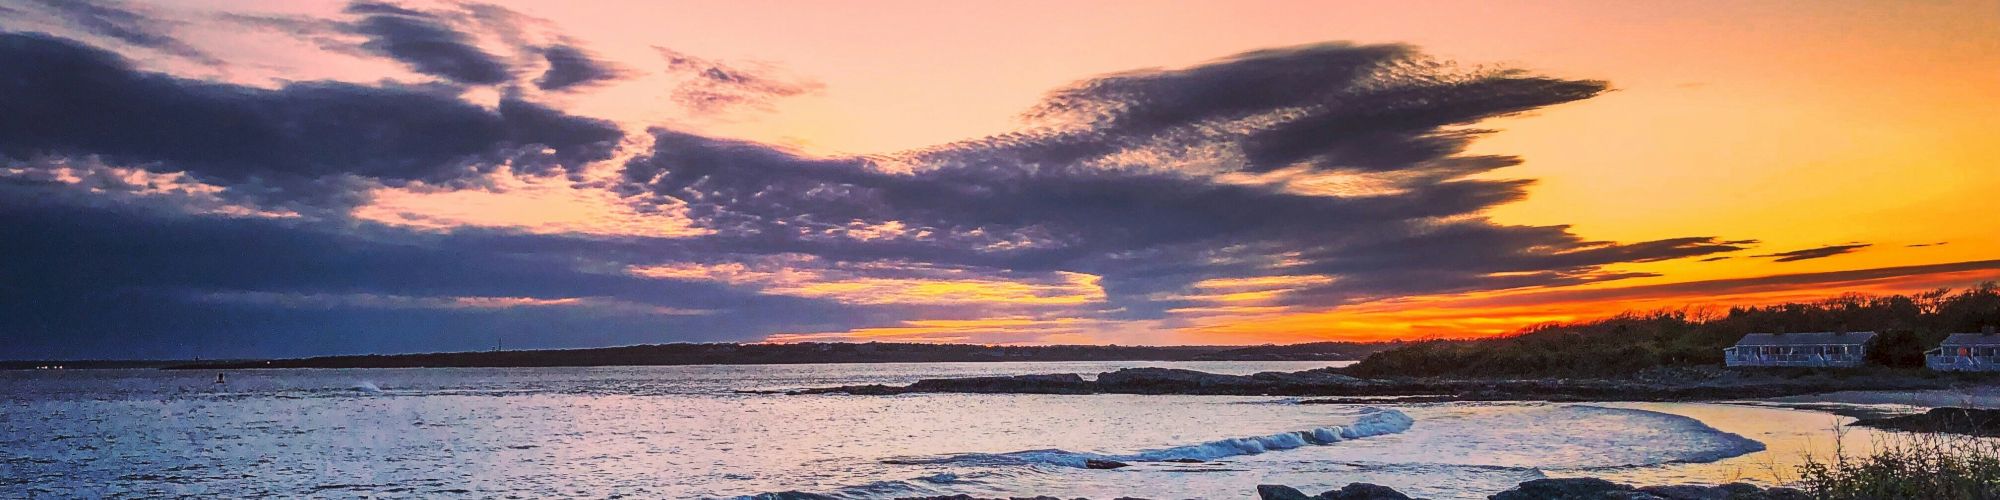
686 432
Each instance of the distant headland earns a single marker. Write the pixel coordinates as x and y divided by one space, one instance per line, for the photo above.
802 353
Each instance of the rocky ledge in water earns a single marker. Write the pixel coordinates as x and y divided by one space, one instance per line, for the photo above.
1539 489
1328 382
1969 421
1558 489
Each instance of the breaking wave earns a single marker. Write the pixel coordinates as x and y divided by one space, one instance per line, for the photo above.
1374 423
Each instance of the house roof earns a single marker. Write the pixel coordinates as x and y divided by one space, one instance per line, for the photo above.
1816 338
1978 339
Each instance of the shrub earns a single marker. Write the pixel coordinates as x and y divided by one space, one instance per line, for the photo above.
1930 465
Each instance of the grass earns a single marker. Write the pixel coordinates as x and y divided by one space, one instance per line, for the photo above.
1908 465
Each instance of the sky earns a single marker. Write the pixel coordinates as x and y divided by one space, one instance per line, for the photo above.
223 179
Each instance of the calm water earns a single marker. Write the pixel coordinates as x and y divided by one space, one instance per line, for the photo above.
684 432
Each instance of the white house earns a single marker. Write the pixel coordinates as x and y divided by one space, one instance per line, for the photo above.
1822 349
1966 352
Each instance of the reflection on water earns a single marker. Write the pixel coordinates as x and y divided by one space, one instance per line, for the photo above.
684 432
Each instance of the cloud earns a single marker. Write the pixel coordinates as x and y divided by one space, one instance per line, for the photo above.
427 43
1273 182
380 301
572 67
1932 244
1815 253
297 141
113 19
1160 179
708 86
97 279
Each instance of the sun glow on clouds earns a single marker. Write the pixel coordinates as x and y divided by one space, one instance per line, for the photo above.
530 205
1462 315
1483 314
887 283
473 303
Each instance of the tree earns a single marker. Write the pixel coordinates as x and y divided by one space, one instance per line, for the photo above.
1898 349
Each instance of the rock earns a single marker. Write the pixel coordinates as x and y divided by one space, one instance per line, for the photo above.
970 497
1971 421
1689 492
1104 464
1167 380
1364 491
1578 488
1064 383
1595 489
1786 494
1318 377
791 495
1280 492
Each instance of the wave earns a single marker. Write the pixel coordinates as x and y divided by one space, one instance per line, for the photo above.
1717 443
1375 422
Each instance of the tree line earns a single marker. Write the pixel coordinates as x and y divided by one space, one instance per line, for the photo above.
1906 325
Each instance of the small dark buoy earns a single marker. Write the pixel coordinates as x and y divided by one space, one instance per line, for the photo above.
218 379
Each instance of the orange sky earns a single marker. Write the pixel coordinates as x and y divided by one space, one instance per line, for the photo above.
1798 125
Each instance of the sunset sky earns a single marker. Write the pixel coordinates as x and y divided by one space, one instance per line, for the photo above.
252 179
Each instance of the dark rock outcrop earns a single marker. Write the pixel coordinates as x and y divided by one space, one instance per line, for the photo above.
1172 380
1970 421
1104 464
1280 492
1583 488
1364 491
1579 488
791 495
1353 491
970 497
1063 383
1060 383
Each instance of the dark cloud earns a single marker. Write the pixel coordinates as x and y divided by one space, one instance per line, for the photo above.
113 19
93 281
427 43
1339 161
1157 179
1932 244
1716 258
1816 253
709 86
570 67
72 100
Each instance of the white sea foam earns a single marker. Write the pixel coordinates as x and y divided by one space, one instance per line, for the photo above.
1375 422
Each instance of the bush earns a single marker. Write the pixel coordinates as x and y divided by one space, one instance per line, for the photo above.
1932 466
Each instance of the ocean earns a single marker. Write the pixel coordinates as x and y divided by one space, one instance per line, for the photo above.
716 432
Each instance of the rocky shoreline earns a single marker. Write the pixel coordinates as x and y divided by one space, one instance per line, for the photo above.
1539 489
1967 421
1339 388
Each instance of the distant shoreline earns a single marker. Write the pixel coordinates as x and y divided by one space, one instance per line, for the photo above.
769 354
